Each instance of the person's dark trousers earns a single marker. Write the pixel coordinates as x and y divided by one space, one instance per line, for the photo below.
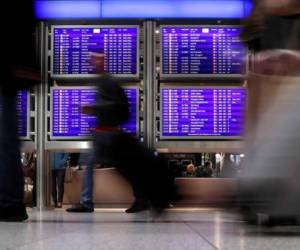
58 180
116 149
11 174
137 188
148 176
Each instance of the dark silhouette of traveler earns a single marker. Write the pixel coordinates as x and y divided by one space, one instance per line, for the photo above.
149 177
206 170
19 70
58 166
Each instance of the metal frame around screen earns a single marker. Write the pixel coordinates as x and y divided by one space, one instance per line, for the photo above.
191 76
69 138
92 76
27 137
205 137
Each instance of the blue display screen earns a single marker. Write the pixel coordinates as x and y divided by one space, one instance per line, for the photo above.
69 122
72 48
85 9
202 51
22 112
200 112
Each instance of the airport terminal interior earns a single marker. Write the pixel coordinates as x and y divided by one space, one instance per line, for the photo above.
194 101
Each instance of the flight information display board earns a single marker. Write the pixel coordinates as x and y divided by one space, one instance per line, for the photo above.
202 112
67 121
23 113
72 48
195 51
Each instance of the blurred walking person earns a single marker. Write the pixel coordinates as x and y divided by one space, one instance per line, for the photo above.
19 70
270 183
151 181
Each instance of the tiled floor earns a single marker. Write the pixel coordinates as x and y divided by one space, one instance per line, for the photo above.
176 229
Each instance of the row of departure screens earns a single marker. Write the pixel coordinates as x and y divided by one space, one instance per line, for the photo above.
185 50
184 112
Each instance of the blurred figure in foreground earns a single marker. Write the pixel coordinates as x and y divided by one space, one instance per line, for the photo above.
270 184
151 181
18 71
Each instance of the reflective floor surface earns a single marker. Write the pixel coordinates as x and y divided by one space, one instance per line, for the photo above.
176 229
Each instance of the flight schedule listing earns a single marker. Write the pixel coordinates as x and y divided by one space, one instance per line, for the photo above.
73 49
188 112
22 112
202 51
68 119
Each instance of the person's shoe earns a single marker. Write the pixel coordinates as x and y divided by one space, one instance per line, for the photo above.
13 214
138 206
80 208
58 205
159 207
